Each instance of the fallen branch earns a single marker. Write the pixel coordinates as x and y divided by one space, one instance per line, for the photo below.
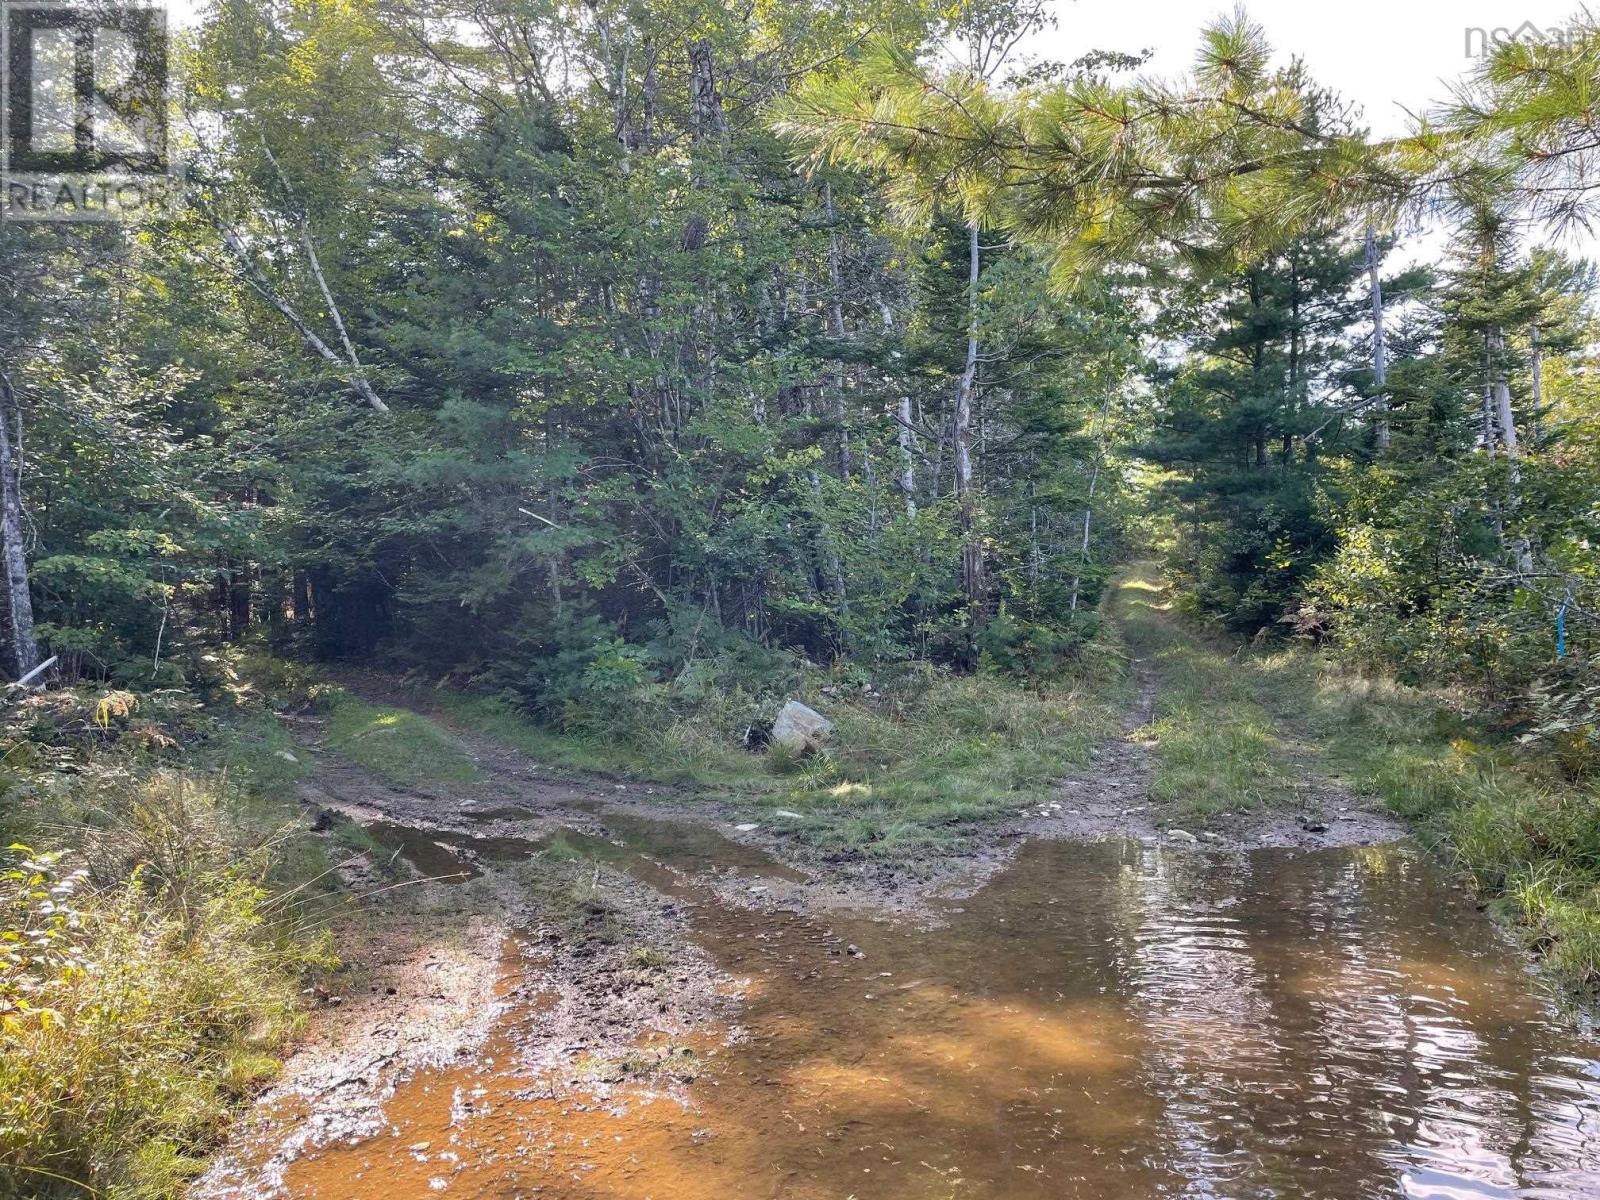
37 671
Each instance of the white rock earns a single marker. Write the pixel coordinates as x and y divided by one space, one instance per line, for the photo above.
747 827
793 816
286 756
1181 835
799 728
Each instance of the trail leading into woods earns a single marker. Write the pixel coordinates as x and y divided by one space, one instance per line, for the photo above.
621 1005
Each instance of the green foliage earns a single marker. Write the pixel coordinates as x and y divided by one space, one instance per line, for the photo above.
944 755
1100 171
1565 714
149 975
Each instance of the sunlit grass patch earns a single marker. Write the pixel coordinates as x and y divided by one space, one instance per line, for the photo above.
401 746
913 771
923 772
1211 768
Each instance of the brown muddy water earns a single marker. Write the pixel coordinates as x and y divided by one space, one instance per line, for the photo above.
1109 1020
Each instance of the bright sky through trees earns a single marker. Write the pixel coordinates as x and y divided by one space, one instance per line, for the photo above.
1392 57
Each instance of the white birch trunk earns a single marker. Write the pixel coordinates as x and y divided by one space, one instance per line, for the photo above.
21 648
972 573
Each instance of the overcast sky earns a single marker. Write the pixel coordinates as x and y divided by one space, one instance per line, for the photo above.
1384 54
1389 56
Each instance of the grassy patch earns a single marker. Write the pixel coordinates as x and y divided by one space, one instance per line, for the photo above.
397 744
253 748
682 750
1218 749
921 772
1528 837
915 764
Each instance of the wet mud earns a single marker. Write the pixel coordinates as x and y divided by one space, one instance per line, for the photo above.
1093 1007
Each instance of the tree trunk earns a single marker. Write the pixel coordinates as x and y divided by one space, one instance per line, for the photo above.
902 433
706 117
908 463
1380 364
1088 503
1286 438
252 274
1506 419
21 650
972 566
1536 427
239 593
1491 439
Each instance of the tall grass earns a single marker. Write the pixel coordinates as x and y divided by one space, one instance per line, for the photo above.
153 967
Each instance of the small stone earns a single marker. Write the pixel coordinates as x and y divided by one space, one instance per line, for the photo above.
286 756
419 1147
793 816
855 951
1181 835
747 827
1315 827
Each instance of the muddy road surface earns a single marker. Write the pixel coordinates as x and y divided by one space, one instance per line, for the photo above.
592 1000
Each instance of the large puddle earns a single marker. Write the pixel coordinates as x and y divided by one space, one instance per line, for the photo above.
1101 1021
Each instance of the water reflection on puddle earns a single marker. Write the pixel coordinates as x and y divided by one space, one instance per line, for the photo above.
1101 1021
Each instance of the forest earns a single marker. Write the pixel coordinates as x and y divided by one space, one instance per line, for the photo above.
599 377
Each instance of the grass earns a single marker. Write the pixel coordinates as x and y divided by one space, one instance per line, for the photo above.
396 744
1217 747
924 771
914 769
156 945
677 752
1526 836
